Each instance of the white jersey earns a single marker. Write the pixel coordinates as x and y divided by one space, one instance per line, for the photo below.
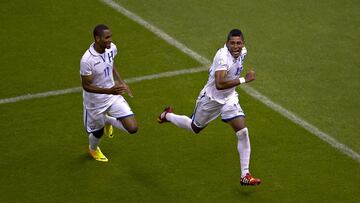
223 60
100 66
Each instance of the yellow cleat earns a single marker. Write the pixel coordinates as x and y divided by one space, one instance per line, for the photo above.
98 155
108 131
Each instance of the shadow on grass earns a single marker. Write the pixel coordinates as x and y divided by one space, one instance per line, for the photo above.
246 191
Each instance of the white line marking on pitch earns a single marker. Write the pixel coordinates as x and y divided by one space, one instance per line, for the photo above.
251 91
79 89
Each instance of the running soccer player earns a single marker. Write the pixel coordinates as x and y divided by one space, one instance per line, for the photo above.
219 98
104 106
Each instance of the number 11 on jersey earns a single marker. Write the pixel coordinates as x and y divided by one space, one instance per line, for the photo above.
107 71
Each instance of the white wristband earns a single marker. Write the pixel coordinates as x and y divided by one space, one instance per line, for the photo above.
242 80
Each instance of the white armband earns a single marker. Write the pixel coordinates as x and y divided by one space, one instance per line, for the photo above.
242 80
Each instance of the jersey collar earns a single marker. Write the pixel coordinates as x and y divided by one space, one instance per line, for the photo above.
93 51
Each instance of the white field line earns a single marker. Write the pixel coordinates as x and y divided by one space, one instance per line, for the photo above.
296 119
79 89
39 95
157 31
251 91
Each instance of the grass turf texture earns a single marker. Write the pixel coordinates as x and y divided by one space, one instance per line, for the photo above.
305 53
162 163
45 145
49 38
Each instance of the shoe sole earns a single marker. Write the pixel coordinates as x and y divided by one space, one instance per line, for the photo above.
102 160
159 120
245 184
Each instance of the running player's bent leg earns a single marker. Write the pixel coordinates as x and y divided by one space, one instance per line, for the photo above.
206 111
114 122
121 116
234 115
129 124
180 121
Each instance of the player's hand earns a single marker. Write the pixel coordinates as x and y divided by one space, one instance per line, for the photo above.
121 89
117 89
250 76
128 91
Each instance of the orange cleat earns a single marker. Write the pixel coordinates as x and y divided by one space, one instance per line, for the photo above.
249 180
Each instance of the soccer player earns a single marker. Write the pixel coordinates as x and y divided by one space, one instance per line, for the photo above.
104 105
219 98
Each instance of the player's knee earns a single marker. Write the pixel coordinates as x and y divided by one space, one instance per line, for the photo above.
132 130
196 129
99 133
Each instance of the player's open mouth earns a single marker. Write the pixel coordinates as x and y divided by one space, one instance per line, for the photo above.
236 53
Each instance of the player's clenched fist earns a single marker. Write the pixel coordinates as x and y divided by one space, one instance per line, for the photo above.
250 76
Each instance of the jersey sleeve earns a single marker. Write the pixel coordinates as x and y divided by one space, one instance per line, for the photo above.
85 68
220 61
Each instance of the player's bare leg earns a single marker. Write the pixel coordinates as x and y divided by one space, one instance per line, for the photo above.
127 124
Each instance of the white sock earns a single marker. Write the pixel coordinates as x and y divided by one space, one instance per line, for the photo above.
180 121
93 142
114 122
244 150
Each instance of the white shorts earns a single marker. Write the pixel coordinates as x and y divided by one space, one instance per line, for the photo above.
207 110
94 119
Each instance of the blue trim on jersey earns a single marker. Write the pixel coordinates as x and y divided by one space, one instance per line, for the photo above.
229 119
124 116
193 117
193 114
86 115
196 106
91 53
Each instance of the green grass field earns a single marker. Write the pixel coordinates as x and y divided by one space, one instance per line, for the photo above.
306 57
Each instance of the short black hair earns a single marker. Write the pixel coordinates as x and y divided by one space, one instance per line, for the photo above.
235 32
99 29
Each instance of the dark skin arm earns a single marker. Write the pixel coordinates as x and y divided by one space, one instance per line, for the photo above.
120 86
221 82
89 87
121 83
